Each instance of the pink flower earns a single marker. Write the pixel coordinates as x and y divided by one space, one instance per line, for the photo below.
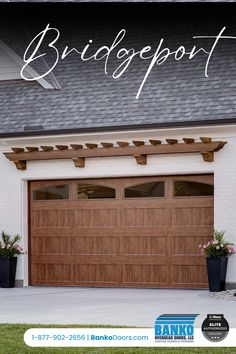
230 249
214 242
8 246
3 245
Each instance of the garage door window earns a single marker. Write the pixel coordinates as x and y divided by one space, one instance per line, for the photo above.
191 189
146 190
52 192
92 191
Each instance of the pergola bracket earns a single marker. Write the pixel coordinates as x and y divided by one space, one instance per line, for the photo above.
79 162
20 165
208 156
141 159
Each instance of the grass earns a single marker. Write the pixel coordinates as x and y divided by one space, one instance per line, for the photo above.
11 342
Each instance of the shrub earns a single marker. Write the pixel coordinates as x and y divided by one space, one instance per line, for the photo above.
217 247
9 246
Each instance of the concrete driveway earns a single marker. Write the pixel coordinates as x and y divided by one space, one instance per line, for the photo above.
133 307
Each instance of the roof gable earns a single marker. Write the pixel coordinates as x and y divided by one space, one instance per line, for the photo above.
9 69
11 64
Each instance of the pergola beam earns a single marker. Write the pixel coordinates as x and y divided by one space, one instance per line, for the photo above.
140 151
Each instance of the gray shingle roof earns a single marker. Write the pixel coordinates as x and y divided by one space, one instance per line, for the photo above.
176 91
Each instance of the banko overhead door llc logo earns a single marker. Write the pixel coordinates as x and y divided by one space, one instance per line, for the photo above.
175 328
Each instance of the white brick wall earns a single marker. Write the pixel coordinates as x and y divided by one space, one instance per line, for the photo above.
13 183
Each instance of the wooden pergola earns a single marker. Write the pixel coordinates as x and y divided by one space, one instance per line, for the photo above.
138 149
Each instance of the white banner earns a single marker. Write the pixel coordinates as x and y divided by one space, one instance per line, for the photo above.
117 337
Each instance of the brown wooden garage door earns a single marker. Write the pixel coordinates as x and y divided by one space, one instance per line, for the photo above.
132 232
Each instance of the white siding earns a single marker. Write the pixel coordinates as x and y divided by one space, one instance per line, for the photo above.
13 183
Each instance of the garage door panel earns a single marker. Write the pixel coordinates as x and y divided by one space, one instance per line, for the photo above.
145 245
134 274
191 216
51 272
96 246
64 272
42 272
145 217
53 218
189 274
51 246
96 218
109 273
187 245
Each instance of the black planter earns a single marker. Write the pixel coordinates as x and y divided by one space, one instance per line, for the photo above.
216 271
7 271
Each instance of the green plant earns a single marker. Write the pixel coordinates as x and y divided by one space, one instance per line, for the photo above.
217 247
9 246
